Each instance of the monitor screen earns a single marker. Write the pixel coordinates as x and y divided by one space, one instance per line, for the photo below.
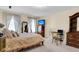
41 22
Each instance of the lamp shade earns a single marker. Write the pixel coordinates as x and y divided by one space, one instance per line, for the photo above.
1 25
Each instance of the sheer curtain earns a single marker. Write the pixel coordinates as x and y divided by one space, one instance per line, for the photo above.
13 22
8 19
17 23
32 25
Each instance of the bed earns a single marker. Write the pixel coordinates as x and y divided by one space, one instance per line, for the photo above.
23 41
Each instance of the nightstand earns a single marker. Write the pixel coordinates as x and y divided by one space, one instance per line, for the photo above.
2 43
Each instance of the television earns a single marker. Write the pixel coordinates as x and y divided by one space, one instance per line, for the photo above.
41 22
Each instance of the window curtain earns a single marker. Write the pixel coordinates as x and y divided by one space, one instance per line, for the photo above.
32 25
12 24
29 26
8 19
17 23
35 24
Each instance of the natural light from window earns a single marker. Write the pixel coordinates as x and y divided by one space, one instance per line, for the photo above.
33 26
12 25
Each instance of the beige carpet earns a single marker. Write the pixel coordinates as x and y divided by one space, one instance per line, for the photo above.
52 47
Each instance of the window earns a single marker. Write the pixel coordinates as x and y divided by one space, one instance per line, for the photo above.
12 25
33 26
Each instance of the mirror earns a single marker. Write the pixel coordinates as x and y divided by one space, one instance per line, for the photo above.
24 26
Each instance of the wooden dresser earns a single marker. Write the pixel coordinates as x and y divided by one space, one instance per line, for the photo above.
73 39
73 34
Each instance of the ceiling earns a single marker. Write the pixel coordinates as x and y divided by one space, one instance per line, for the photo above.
36 11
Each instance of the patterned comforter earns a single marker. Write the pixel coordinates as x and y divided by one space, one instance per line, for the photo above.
23 41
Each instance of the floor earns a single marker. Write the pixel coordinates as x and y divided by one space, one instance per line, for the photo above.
52 47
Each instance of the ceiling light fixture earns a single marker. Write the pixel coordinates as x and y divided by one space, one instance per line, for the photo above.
10 7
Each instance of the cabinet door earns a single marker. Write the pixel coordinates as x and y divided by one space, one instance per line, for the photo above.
73 25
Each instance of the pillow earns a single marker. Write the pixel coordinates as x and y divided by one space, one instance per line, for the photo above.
17 34
13 34
7 33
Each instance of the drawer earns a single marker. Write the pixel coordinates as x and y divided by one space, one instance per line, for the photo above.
73 44
76 36
73 41
73 38
73 34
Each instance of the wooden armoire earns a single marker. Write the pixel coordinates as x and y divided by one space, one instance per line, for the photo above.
73 34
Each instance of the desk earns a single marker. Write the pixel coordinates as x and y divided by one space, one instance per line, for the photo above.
57 37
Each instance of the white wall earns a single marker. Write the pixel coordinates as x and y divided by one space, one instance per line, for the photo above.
59 20
1 16
1 20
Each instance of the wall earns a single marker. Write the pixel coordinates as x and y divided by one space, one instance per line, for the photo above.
1 20
1 16
59 20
